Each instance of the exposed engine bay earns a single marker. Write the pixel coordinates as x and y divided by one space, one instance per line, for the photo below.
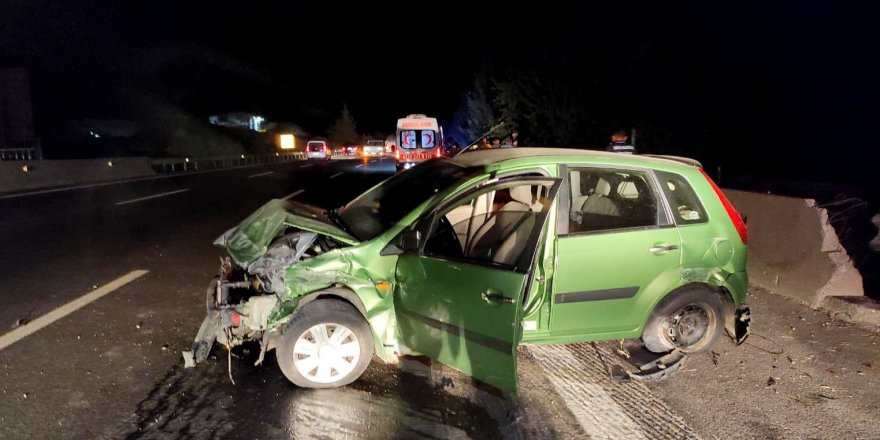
241 299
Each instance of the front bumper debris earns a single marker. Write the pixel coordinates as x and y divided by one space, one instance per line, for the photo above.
203 342
741 324
208 331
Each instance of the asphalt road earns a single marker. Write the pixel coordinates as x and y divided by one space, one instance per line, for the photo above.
112 369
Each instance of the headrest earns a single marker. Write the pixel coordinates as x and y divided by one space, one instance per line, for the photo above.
522 194
603 187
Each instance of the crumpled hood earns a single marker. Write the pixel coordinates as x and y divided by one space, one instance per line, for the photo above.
250 239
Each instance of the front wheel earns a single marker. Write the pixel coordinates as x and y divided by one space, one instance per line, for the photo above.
690 319
327 344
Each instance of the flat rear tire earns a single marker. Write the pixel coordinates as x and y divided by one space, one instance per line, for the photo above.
690 319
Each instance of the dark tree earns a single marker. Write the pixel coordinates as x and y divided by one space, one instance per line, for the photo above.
475 114
344 130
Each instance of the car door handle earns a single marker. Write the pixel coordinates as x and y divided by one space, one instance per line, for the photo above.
662 248
493 297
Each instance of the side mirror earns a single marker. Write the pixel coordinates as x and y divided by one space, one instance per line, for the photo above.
409 240
406 241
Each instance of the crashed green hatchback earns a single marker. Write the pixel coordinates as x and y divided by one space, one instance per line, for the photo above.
462 259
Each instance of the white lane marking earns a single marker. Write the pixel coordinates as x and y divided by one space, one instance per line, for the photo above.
336 175
294 194
30 328
359 166
261 174
597 413
154 196
136 179
307 165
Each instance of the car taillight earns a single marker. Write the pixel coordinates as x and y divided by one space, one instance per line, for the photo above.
737 220
439 152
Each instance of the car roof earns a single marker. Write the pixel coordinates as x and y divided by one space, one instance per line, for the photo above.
564 155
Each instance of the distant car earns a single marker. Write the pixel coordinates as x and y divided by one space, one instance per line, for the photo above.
317 150
374 148
461 259
352 149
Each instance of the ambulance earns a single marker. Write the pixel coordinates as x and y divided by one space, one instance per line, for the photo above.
418 139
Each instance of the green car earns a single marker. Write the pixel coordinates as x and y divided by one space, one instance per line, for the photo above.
462 259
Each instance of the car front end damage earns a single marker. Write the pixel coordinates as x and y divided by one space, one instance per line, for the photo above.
250 303
251 297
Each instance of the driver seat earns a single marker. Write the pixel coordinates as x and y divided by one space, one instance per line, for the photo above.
504 235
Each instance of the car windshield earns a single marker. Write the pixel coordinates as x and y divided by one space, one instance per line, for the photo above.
316 147
384 205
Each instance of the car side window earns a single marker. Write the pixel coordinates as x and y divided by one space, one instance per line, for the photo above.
683 200
491 227
606 199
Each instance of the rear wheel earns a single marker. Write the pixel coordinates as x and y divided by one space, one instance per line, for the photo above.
690 319
327 344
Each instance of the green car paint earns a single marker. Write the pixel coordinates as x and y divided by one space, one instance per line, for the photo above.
442 315
608 303
250 239
581 287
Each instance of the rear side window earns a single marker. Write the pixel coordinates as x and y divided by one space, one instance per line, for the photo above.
686 206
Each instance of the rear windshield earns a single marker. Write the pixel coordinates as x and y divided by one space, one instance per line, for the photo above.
376 143
410 139
315 147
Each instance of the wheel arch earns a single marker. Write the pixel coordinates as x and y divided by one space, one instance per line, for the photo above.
335 293
340 293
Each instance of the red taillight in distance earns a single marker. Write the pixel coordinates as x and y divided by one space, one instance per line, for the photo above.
439 153
738 222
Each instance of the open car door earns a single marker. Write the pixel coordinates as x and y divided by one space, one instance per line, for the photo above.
461 277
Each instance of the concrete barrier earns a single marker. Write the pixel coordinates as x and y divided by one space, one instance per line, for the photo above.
793 250
25 175
33 174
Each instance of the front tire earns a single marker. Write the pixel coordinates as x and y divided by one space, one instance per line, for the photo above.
690 319
327 344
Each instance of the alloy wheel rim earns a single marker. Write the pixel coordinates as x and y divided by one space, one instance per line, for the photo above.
326 352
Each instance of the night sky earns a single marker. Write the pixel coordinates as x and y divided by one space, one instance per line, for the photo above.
798 78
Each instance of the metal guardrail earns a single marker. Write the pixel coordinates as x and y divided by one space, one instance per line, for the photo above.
183 164
17 153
